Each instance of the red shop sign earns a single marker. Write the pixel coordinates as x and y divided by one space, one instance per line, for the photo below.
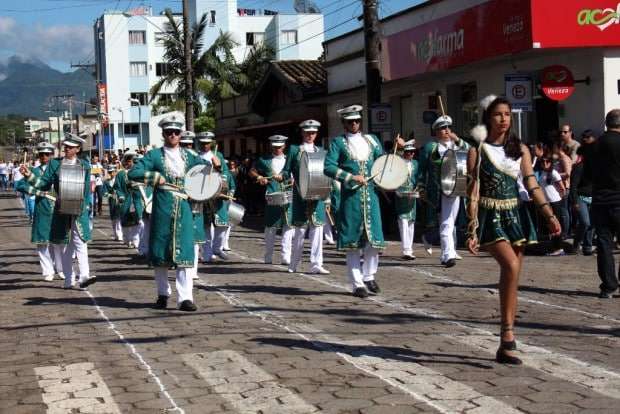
558 82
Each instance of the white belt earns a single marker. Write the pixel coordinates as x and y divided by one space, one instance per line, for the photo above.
174 190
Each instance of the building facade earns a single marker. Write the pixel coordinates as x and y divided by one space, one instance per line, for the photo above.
464 50
129 58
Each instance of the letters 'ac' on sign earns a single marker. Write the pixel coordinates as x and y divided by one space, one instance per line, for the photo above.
558 82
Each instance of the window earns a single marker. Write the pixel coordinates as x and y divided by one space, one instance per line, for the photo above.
166 98
161 69
137 69
160 37
254 38
132 129
289 37
143 97
137 37
212 18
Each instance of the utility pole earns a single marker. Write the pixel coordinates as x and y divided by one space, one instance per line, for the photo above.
372 44
189 81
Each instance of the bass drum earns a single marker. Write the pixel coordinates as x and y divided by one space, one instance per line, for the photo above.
71 189
454 173
390 171
203 183
312 183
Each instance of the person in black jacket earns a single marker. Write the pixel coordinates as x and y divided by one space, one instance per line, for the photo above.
603 169
581 196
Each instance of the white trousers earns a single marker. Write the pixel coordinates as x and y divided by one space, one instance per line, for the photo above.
184 283
117 229
145 233
132 234
193 271
215 241
78 247
227 238
328 232
406 229
449 212
50 258
315 234
287 241
358 273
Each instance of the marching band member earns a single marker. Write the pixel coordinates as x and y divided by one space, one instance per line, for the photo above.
187 142
438 204
268 172
406 206
130 205
113 203
216 210
74 231
307 214
349 161
172 235
50 254
498 221
146 194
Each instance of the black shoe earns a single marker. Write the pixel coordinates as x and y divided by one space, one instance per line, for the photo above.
360 292
372 286
504 358
587 252
187 306
605 295
88 282
408 257
162 302
450 263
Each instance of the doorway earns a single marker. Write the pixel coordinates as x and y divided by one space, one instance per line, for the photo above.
547 118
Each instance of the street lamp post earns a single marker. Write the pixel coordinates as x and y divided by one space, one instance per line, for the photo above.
122 125
136 101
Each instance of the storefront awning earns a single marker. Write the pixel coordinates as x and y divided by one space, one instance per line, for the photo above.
263 126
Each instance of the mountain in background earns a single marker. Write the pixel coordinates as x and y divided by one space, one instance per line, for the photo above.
26 86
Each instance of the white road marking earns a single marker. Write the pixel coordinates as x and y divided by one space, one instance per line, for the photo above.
245 386
75 388
593 377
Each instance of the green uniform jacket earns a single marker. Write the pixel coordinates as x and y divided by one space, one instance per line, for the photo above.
172 224
429 178
275 216
217 208
113 202
304 211
130 203
359 214
61 223
43 210
405 207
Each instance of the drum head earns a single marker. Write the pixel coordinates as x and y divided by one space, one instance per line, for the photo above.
448 173
202 183
390 172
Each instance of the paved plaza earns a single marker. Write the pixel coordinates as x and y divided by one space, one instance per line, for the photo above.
267 341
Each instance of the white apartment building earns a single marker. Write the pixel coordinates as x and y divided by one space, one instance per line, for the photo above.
129 57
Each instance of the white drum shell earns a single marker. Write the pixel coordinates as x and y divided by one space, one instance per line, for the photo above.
235 213
390 171
454 173
280 198
312 183
202 183
71 189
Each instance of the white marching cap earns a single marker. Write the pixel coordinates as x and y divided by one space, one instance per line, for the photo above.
351 112
72 140
172 122
128 154
44 147
205 137
310 125
277 140
409 145
442 121
187 137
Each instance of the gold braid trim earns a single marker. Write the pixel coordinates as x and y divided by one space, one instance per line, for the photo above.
496 204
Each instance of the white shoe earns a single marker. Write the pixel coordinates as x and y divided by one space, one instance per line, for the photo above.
194 277
427 246
320 271
458 257
291 270
49 278
61 275
226 249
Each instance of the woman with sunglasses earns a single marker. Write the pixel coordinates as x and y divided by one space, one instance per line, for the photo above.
498 221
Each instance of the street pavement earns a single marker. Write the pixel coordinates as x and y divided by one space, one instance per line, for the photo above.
267 341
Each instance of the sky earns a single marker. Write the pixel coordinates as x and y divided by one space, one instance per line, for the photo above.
59 32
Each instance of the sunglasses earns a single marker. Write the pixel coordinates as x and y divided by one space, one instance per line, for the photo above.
172 131
565 132
353 121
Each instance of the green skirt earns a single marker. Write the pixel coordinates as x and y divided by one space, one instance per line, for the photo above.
512 225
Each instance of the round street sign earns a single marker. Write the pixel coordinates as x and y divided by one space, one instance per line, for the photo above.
558 82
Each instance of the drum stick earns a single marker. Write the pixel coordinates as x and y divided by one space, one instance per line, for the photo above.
367 181
25 157
443 112
227 197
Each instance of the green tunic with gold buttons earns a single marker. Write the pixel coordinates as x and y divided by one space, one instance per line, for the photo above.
43 210
275 216
359 215
405 206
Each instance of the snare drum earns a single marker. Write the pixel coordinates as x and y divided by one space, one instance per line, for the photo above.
410 195
390 172
454 173
312 183
280 198
71 189
235 213
203 183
